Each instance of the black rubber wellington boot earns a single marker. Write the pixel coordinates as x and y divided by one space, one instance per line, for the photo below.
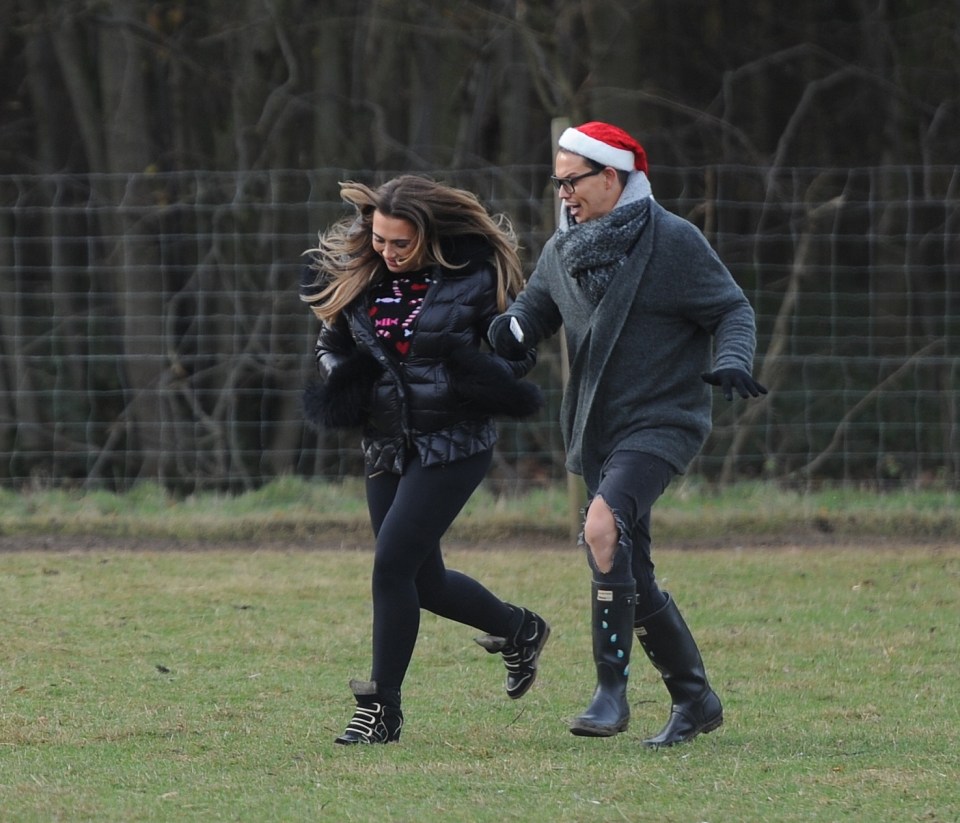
671 648
377 718
609 713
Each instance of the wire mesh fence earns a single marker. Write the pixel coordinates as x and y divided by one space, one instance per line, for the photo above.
151 329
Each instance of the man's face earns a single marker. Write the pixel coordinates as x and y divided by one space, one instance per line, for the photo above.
593 196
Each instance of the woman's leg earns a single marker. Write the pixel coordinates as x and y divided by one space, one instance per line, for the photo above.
410 514
458 597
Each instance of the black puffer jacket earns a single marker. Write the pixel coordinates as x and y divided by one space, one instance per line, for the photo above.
428 401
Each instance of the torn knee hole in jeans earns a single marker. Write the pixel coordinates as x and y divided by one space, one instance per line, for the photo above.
622 541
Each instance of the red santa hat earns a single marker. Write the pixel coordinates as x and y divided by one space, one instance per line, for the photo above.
605 144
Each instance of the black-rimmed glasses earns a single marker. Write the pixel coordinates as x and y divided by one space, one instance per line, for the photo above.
569 184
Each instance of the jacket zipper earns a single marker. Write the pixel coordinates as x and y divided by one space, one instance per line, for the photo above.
389 363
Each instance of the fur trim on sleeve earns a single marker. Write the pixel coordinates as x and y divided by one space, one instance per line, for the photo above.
343 400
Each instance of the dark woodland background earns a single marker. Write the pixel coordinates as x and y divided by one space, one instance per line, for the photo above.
163 164
131 85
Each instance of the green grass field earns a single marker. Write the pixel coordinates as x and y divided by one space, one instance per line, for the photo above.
209 685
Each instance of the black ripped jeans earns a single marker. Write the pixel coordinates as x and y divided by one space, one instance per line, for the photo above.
630 483
410 513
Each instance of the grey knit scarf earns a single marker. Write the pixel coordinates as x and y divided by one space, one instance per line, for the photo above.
594 251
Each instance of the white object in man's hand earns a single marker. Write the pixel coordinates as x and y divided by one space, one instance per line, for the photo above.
516 330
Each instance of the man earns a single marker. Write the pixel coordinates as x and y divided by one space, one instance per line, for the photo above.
651 316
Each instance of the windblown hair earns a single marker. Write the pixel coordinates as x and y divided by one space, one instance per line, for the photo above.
346 263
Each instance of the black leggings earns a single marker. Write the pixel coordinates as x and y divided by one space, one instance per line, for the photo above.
409 514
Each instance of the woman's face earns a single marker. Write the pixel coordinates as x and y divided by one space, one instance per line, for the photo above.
394 238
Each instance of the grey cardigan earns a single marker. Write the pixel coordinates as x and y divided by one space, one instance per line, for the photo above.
636 359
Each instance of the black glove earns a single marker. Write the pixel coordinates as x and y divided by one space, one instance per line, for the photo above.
730 379
504 341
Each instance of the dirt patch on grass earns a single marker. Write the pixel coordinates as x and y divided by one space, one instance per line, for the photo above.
786 542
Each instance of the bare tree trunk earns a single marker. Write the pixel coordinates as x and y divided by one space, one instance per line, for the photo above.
127 149
332 121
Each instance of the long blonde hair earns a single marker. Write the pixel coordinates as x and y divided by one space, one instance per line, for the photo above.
346 263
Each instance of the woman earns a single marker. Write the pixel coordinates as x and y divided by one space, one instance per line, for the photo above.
406 289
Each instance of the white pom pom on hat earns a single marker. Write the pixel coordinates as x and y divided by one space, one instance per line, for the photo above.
606 144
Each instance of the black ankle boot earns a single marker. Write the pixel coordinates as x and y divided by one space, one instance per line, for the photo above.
377 718
520 652
612 612
670 646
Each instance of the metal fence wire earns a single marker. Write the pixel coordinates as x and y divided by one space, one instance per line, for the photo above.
151 327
